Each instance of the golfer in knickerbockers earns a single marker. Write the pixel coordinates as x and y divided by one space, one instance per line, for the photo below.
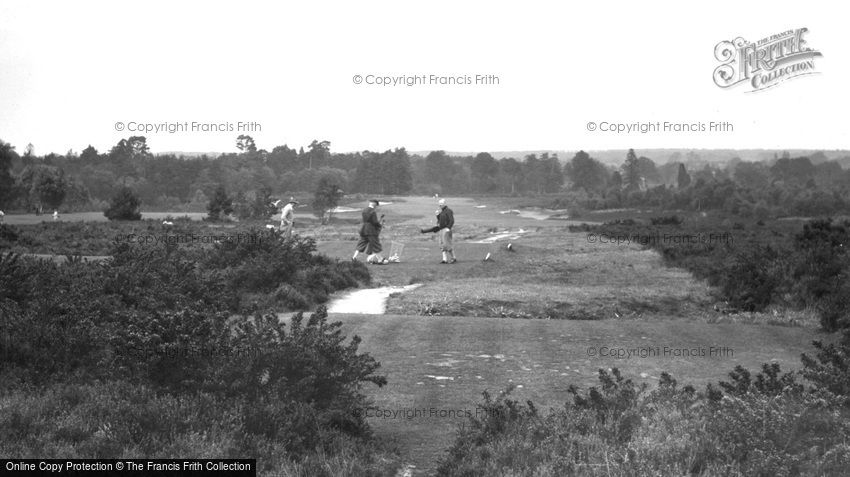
445 222
370 232
287 217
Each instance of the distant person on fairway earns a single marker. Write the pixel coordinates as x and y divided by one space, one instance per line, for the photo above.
55 215
445 222
2 216
370 232
287 218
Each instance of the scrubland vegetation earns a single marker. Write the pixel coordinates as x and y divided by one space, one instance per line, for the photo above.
164 352
767 424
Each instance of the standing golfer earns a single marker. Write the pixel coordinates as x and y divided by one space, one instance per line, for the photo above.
370 232
287 218
445 222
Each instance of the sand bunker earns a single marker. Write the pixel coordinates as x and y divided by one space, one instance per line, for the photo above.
446 363
342 210
494 237
538 213
440 378
369 301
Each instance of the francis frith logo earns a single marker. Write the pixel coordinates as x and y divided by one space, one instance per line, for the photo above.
765 63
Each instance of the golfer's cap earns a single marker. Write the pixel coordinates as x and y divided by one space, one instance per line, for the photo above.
292 200
375 201
442 202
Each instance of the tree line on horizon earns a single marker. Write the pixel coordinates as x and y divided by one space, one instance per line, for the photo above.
90 179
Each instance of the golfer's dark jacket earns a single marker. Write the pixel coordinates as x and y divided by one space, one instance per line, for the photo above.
371 223
445 220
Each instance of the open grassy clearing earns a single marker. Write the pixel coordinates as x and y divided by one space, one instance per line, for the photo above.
552 273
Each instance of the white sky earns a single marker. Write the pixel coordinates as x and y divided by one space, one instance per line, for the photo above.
70 70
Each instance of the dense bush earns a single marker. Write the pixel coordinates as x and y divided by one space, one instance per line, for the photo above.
756 266
12 237
132 355
777 196
671 220
264 262
220 205
829 370
124 205
822 271
252 265
295 388
152 353
117 419
161 297
764 425
753 277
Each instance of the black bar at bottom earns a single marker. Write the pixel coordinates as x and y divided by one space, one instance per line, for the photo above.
130 467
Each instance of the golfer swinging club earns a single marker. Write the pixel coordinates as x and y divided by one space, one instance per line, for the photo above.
445 222
370 231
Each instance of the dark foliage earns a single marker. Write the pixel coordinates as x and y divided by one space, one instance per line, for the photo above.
755 266
220 205
822 271
125 205
159 323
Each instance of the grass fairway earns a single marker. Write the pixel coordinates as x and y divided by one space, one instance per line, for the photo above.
551 272
444 343
444 363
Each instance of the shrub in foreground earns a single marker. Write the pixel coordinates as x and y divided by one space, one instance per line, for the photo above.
143 355
767 424
118 419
